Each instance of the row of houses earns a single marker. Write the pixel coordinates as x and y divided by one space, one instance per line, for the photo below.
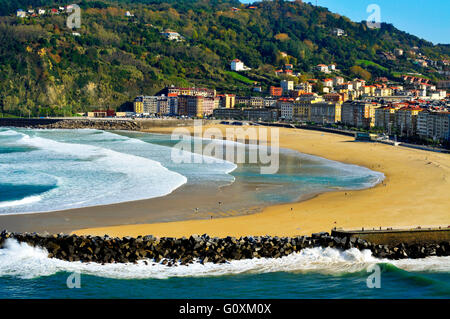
403 119
192 102
288 88
20 13
408 119
326 68
434 125
359 89
249 114
310 108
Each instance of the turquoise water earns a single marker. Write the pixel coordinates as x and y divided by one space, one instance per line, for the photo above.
43 170
267 286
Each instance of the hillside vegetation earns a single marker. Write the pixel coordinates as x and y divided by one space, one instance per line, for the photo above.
47 70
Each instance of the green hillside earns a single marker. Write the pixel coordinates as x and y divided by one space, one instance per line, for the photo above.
45 69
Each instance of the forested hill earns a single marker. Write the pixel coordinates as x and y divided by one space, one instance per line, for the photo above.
47 69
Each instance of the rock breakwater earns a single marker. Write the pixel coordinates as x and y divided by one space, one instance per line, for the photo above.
75 123
170 251
126 125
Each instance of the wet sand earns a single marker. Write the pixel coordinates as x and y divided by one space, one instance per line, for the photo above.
189 202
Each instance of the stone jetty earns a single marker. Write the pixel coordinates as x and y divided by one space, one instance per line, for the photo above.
171 251
124 124
74 123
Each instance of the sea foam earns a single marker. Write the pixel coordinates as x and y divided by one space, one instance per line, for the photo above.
124 177
23 261
8 133
24 201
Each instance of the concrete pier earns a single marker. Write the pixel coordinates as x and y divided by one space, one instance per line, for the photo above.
389 236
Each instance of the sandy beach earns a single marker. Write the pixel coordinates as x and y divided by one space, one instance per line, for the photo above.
414 193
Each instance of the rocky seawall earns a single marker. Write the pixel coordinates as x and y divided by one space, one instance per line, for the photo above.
170 251
126 125
99 124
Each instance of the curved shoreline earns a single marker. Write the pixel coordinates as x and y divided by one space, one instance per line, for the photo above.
244 209
415 192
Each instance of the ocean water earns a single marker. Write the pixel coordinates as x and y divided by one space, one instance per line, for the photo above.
50 170
44 170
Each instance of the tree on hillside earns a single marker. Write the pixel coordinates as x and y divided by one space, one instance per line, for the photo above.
358 71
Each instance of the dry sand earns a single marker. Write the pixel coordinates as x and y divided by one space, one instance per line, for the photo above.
416 192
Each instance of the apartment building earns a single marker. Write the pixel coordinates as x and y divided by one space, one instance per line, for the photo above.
359 114
302 111
227 101
385 118
406 120
306 87
172 104
243 100
163 105
200 106
146 104
250 114
138 106
270 102
182 104
325 112
434 125
190 91
332 97
286 86
275 91
256 102
286 107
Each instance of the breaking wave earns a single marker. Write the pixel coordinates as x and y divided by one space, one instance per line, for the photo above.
26 262
110 176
